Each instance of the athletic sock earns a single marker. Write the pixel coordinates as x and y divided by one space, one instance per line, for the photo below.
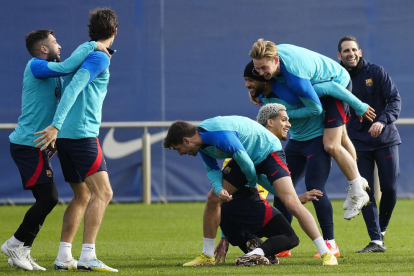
208 246
13 242
377 242
332 243
356 187
257 251
26 250
383 233
65 252
321 245
88 252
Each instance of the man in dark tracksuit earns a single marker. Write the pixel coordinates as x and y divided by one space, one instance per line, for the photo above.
375 142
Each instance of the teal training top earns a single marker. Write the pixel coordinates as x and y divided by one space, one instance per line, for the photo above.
310 75
79 112
240 138
41 93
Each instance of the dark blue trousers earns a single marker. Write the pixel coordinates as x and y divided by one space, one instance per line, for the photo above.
387 160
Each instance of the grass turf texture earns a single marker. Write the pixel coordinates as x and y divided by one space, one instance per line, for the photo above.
157 239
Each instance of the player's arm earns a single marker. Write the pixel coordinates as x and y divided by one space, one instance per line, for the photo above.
94 65
392 97
303 89
213 172
393 108
43 69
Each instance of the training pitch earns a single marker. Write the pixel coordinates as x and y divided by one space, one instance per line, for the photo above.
157 239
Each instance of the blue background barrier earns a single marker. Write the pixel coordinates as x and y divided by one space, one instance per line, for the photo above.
184 59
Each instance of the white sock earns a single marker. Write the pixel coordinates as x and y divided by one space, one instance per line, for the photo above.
65 252
88 252
208 246
356 187
377 242
321 245
332 243
26 250
257 251
383 233
13 242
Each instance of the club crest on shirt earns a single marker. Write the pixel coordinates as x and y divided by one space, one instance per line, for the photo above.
227 170
369 82
219 153
49 173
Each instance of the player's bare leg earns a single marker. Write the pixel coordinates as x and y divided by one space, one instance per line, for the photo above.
71 220
357 197
101 195
287 194
347 144
211 222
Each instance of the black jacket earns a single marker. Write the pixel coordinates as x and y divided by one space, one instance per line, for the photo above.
373 85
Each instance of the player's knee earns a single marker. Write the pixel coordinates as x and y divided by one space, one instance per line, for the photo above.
212 200
330 147
293 206
294 240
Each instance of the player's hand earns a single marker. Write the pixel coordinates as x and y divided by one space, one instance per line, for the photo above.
369 115
376 129
310 195
221 250
102 47
224 196
255 101
51 149
49 135
256 190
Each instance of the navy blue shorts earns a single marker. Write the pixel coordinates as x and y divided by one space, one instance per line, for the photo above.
274 167
80 158
246 214
33 164
336 112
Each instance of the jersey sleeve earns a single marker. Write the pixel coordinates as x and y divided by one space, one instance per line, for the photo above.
42 69
392 96
228 142
94 65
213 172
339 92
303 89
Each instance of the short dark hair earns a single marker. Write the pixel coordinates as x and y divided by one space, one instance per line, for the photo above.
177 131
102 23
34 39
346 38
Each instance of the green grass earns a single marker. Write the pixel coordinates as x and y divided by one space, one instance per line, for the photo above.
158 239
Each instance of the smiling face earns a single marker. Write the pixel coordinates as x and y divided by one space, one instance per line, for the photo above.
350 54
279 125
53 49
256 88
266 67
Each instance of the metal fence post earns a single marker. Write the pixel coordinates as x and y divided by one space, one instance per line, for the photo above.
146 167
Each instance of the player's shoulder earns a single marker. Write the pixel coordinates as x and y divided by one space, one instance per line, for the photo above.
99 56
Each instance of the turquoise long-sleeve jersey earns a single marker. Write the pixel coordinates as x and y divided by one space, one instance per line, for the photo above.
240 138
42 85
310 75
79 112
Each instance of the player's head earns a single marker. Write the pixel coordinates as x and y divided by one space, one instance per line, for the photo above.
43 44
103 24
179 138
265 58
254 82
274 117
349 52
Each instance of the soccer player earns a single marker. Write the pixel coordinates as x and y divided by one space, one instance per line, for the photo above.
305 152
41 93
375 142
257 154
309 76
77 119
